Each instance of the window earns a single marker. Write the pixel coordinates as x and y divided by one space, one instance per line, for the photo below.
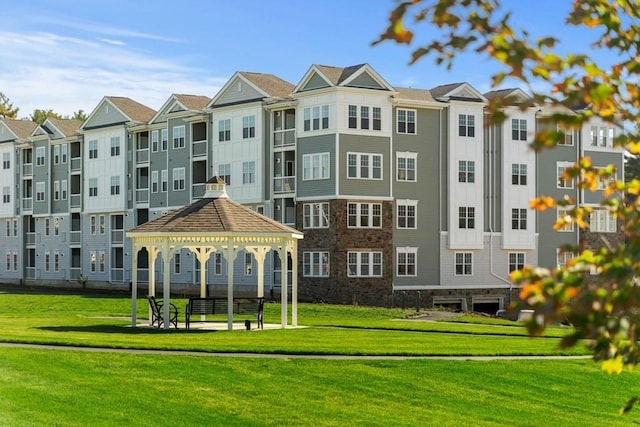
224 130
93 226
406 213
569 135
604 181
56 226
8 228
466 171
364 264
563 180
602 136
466 125
307 119
364 215
47 261
406 166
6 194
40 191
115 185
154 141
8 257
177 263
56 154
164 139
248 172
466 217
464 264
353 116
56 190
101 255
406 121
315 264
93 261
377 118
325 117
65 153
217 263
101 222
164 180
93 187
516 261
64 189
563 257
15 261
115 146
248 127
93 149
224 172
248 264
315 166
315 215
154 181
316 118
365 118
178 136
47 226
602 221
406 262
364 166
518 219
15 228
56 261
6 160
40 154
518 130
518 174
178 179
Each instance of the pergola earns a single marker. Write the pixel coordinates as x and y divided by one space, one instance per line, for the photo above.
215 223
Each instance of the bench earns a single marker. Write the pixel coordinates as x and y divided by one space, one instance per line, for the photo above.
157 313
209 305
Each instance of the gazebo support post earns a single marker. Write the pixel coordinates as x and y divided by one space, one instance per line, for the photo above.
134 287
284 286
166 289
151 263
294 283
231 257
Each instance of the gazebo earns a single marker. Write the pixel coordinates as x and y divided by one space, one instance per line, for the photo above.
215 223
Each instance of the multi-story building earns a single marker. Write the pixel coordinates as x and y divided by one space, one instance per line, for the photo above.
400 192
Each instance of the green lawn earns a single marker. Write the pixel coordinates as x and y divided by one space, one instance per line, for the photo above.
70 387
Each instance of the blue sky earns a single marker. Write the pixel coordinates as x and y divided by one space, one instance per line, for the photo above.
68 54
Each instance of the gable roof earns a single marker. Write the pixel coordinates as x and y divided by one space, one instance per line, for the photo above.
459 91
516 96
337 75
134 110
353 75
66 127
272 85
414 94
22 129
193 102
259 87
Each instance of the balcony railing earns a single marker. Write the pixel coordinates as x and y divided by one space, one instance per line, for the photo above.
117 236
286 184
27 169
76 164
75 237
31 238
283 138
142 156
142 195
198 190
117 274
199 148
30 273
27 204
74 273
75 200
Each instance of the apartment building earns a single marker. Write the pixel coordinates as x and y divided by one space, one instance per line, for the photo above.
401 193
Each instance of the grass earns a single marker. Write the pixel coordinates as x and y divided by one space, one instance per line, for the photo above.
71 387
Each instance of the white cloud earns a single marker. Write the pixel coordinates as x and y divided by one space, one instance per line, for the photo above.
113 42
67 74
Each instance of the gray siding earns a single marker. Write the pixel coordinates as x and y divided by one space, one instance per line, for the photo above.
602 159
364 144
42 174
365 80
315 82
107 114
179 158
316 144
235 93
59 173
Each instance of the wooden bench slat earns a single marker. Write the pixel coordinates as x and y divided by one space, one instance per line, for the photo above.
209 305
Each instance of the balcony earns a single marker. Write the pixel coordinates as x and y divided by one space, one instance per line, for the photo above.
198 190
75 201
142 195
117 237
285 184
27 169
75 237
27 204
199 148
142 156
76 164
284 138
31 238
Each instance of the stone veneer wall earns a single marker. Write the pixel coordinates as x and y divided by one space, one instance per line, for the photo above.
338 239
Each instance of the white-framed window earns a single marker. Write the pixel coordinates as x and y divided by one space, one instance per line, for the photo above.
406 213
248 172
93 187
406 121
6 194
47 261
377 118
248 127
602 136
518 219
8 228
315 264
101 223
115 146
56 190
316 118
40 187
164 180
47 226
466 171
463 263
6 160
115 185
466 217
518 129
56 261
406 262
365 117
248 264
178 179
518 174
224 130
15 261
65 153
178 136
604 182
224 172
177 263
466 125
93 149
217 263
155 140
56 154
563 181
56 226
316 215
93 227
563 213
602 221
315 166
40 156
563 257
364 166
102 261
364 215
570 135
364 264
8 258
406 167
94 260
64 189
155 182
164 139
353 116
516 261
15 228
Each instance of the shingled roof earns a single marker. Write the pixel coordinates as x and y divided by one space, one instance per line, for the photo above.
271 84
133 109
68 127
193 102
413 94
22 128
338 74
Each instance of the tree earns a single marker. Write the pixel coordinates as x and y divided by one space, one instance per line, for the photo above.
6 107
40 116
79 115
606 311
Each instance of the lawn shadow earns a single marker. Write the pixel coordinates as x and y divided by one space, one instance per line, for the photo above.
115 329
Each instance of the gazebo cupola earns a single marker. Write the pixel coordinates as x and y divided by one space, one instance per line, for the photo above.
216 188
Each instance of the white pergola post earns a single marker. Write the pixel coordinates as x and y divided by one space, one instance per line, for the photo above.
152 256
294 281
284 273
167 255
230 255
134 286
